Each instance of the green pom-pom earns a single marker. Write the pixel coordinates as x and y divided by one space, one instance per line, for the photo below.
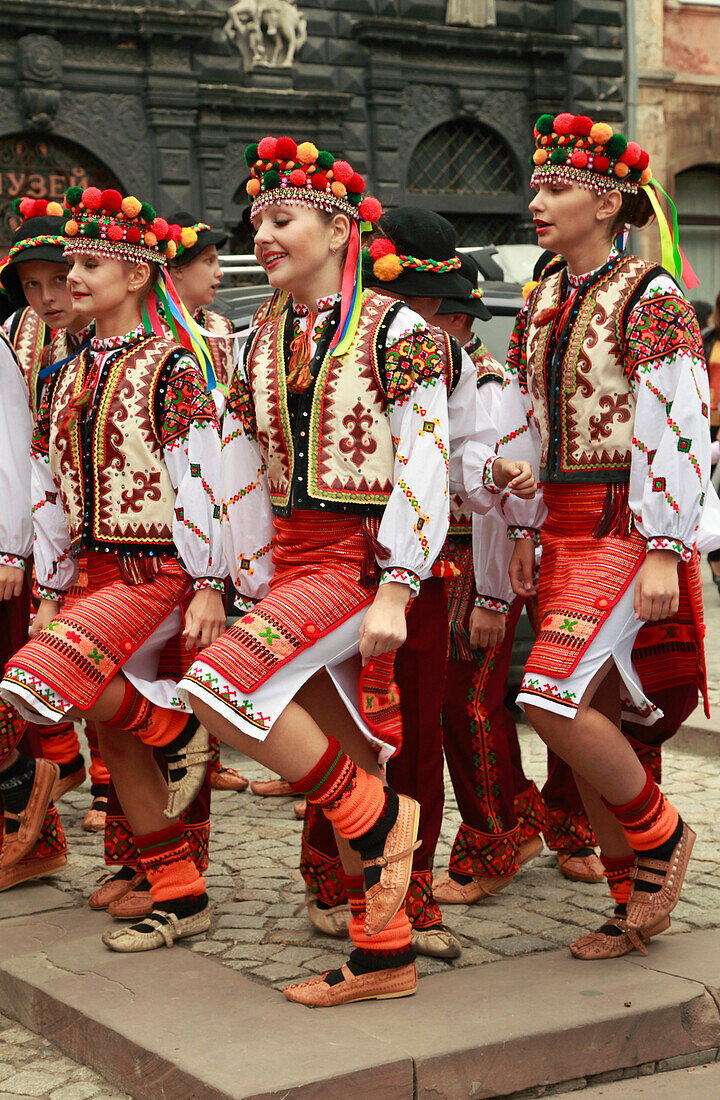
162 246
147 212
92 229
16 205
73 196
634 175
558 156
251 154
544 124
354 198
367 263
325 160
271 180
616 146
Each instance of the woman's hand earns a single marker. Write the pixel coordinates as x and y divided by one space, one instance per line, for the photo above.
205 619
11 581
46 612
384 627
517 477
522 568
487 628
657 590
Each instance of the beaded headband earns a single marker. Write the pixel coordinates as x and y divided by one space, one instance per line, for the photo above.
388 263
574 149
105 223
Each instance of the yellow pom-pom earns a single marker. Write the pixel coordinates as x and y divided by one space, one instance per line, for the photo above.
150 240
307 152
171 250
621 169
253 188
188 237
131 206
528 289
646 176
601 133
55 209
338 189
71 228
387 268
540 156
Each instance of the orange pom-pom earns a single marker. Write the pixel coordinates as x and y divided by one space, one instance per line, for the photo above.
150 239
131 206
601 133
540 156
188 237
55 209
307 152
387 268
646 176
72 228
621 169
171 250
253 187
338 189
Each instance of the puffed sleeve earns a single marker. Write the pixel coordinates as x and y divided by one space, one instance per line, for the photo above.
415 520
191 446
16 530
472 417
492 551
247 512
670 462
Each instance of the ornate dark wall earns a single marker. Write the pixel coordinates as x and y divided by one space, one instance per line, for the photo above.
158 97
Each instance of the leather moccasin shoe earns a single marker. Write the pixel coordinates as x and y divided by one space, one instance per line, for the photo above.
438 942
385 898
69 783
580 868
31 868
18 844
228 779
94 820
331 922
155 930
529 849
135 904
112 889
186 772
271 788
600 945
300 809
449 892
381 985
645 910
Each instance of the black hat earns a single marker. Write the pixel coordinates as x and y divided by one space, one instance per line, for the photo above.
473 305
415 256
205 237
30 242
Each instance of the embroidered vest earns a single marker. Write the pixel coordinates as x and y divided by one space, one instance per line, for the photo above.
28 337
221 350
346 446
582 398
109 468
488 370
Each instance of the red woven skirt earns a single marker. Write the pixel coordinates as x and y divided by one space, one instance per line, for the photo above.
97 632
582 575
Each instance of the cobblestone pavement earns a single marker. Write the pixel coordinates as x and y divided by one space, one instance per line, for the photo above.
31 1066
256 889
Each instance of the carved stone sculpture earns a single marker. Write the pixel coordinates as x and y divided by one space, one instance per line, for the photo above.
471 13
266 32
40 60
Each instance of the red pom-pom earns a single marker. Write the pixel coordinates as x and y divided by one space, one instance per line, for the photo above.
370 209
92 198
114 233
160 228
342 172
319 181
381 247
110 200
581 125
563 123
266 148
26 207
297 178
601 163
631 154
174 232
133 234
285 148
356 184
643 160
39 208
578 158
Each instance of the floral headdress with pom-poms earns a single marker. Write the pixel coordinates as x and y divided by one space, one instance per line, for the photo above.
299 174
122 228
574 149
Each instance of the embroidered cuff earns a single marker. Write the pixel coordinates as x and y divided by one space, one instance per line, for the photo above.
216 583
243 604
49 593
401 576
12 559
487 477
664 542
491 603
533 533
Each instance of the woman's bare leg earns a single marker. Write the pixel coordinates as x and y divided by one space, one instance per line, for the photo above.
139 783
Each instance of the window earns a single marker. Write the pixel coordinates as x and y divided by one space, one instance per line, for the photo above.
697 197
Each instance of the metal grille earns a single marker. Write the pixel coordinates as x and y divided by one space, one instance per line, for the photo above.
482 229
462 158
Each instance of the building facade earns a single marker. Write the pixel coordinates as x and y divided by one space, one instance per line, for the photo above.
433 100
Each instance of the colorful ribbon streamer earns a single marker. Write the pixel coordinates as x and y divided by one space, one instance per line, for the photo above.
673 258
184 328
350 291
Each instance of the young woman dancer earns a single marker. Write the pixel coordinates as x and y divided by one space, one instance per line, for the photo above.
607 393
125 470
